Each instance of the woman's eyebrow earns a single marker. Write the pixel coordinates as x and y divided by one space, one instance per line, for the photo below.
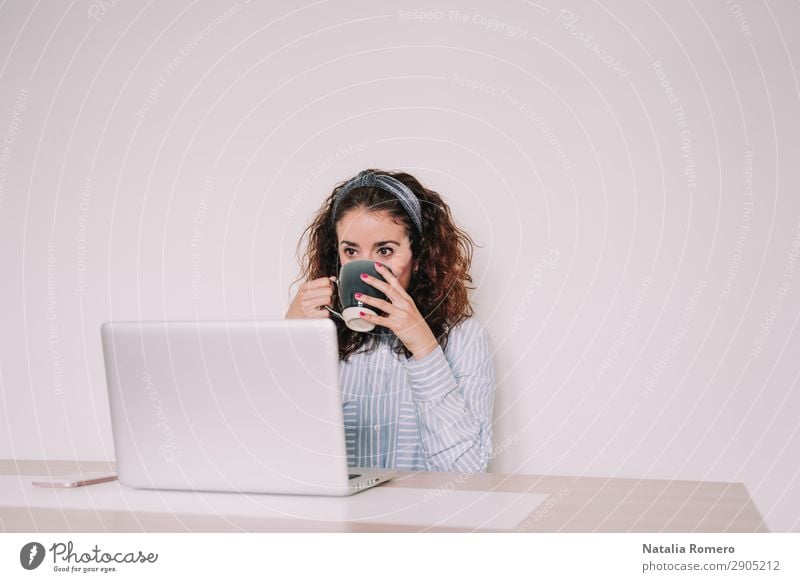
377 244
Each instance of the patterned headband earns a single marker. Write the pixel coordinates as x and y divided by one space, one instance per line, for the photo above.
392 185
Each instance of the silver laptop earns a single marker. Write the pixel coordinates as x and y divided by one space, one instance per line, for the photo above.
249 406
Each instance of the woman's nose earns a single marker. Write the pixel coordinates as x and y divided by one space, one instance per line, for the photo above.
379 258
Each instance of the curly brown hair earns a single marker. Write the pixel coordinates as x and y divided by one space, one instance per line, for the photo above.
442 253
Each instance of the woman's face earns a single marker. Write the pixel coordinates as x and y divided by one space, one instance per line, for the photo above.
362 234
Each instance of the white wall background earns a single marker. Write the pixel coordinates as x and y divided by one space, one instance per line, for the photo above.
630 170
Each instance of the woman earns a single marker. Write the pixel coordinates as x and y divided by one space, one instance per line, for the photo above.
418 391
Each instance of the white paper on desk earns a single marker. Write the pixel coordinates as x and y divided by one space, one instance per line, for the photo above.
389 505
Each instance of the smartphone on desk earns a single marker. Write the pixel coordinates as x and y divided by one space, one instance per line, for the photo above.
74 479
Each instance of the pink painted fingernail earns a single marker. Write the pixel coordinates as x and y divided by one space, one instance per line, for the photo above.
361 313
363 275
358 295
377 264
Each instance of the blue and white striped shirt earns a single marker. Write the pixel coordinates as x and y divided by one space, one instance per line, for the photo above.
433 414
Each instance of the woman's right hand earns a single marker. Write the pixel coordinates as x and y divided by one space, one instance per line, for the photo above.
310 299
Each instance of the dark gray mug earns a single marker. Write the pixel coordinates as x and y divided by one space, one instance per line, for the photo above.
350 283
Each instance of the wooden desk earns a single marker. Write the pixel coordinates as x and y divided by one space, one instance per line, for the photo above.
576 504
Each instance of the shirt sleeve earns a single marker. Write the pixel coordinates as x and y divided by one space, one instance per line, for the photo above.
453 394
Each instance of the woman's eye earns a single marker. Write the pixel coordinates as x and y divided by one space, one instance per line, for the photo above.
386 249
347 251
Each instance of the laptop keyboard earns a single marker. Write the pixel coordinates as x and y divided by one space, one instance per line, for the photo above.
353 475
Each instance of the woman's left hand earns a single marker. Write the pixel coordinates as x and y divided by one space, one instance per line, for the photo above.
402 315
